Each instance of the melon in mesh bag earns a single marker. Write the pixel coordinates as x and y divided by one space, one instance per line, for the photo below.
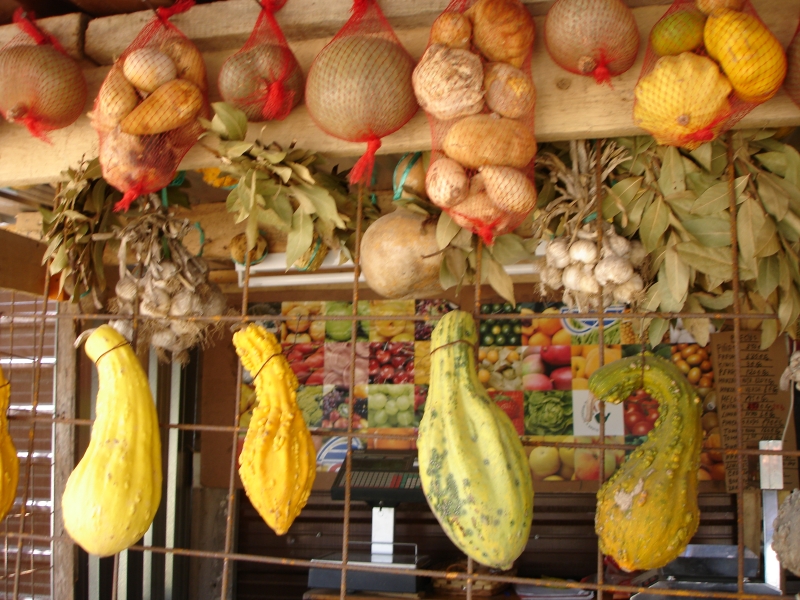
708 64
592 37
263 79
41 87
358 88
146 113
475 85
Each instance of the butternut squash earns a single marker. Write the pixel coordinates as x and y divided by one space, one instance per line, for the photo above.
113 493
9 463
647 512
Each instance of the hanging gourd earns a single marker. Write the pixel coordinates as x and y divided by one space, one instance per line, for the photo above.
359 86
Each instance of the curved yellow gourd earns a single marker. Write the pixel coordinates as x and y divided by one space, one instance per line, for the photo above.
472 465
647 512
113 493
9 463
749 54
278 460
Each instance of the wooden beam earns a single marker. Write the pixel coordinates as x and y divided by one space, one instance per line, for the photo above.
568 106
21 263
67 29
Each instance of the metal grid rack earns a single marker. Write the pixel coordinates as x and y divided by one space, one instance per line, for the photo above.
22 531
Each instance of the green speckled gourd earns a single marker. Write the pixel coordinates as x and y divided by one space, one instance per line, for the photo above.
472 465
647 512
114 491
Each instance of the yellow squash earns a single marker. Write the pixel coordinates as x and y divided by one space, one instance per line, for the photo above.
9 463
113 493
278 461
751 57
472 465
647 512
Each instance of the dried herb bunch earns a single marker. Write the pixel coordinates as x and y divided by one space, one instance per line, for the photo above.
285 189
77 230
167 287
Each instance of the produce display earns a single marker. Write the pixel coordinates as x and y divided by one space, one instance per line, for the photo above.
473 468
146 112
655 489
264 78
359 86
708 64
41 87
277 464
9 463
112 495
592 37
474 83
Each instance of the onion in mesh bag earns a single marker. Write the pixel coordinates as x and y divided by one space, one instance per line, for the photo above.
592 37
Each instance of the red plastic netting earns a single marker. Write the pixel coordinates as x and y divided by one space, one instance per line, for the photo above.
792 82
263 79
359 86
146 113
592 37
41 86
474 83
708 64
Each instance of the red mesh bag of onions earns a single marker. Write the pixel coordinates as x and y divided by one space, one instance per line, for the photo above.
358 88
792 82
592 37
146 113
708 64
263 79
475 85
41 86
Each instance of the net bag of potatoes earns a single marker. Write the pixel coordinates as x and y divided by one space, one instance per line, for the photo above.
708 64
146 113
41 86
263 79
358 88
475 85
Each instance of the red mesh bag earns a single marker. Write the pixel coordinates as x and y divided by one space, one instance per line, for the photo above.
41 86
592 37
358 88
263 79
792 82
474 83
146 113
708 64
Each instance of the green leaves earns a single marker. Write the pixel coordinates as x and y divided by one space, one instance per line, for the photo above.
654 223
300 237
712 261
229 123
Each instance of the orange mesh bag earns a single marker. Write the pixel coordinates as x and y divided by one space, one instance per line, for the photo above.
263 79
708 64
792 82
475 85
41 87
592 37
146 113
358 88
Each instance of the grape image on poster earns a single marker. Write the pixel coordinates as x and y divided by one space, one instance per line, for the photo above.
586 415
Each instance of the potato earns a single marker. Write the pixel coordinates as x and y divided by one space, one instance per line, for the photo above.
503 30
452 29
174 104
480 140
480 215
130 160
448 82
148 69
509 189
446 183
115 101
400 257
509 91
188 60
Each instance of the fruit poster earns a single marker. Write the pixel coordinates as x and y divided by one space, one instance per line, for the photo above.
535 365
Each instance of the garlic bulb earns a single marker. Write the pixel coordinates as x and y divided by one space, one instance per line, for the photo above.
551 277
571 277
616 244
557 253
588 284
628 292
613 269
637 254
583 251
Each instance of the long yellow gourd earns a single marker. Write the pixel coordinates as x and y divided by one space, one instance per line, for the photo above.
472 465
9 463
113 493
278 460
